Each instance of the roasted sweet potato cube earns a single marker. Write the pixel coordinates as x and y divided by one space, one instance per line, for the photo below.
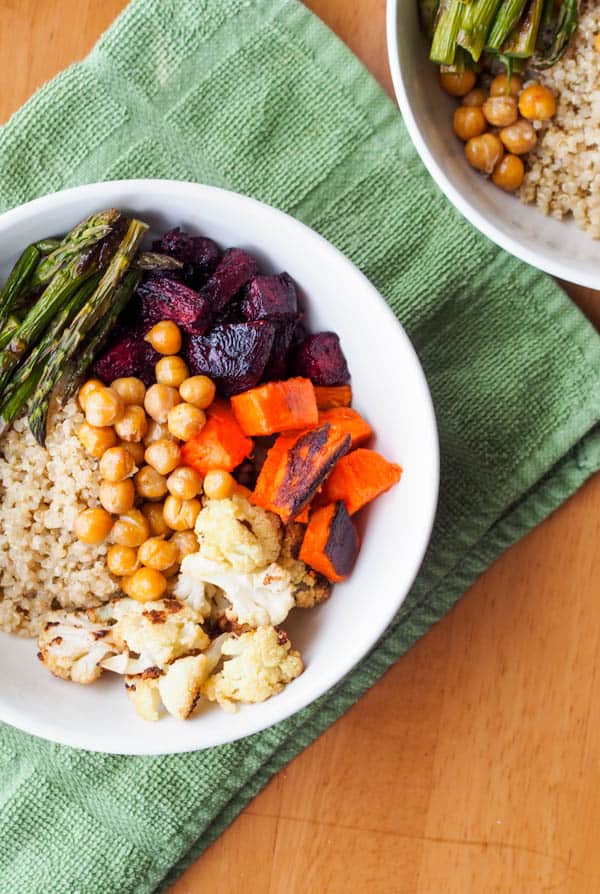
295 467
331 542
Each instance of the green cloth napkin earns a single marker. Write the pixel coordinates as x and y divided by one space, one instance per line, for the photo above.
261 98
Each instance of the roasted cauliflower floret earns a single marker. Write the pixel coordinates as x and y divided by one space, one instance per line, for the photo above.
72 646
309 588
177 686
143 693
180 686
260 597
238 534
162 631
257 665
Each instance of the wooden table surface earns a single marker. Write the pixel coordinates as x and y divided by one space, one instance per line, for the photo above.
473 766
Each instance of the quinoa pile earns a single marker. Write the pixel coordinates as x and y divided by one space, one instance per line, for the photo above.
42 565
563 175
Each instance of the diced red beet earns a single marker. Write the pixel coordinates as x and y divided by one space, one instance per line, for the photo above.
166 299
199 252
270 298
234 355
320 358
233 271
277 365
231 313
129 356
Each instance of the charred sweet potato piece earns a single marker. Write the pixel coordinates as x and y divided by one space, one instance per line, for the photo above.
320 358
171 300
358 478
221 444
270 298
276 407
234 355
330 543
295 467
233 271
347 420
129 356
330 396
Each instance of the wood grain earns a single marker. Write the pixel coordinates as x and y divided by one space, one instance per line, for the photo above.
473 766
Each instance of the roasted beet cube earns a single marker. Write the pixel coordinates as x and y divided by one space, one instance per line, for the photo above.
233 271
277 365
320 358
198 252
166 299
129 356
233 354
270 298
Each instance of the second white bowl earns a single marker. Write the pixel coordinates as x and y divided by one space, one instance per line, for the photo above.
558 247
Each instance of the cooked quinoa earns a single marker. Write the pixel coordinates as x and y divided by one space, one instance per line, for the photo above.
563 171
42 565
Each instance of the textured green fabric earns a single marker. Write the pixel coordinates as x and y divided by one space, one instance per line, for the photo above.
261 98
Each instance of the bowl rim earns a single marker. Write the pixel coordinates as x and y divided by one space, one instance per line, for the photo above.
95 192
540 260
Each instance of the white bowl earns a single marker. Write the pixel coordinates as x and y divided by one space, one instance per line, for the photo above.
389 388
558 247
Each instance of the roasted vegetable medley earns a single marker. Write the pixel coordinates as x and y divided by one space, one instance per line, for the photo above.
230 461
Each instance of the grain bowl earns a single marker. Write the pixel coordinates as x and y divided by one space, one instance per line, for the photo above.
119 638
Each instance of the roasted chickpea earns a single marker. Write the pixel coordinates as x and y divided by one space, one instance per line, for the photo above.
163 456
199 391
508 173
185 421
475 97
136 450
132 425
184 483
457 83
219 484
519 138
186 543
117 497
96 441
131 389
86 389
157 432
504 86
171 371
93 526
116 464
154 514
165 337
159 400
146 585
130 529
158 553
150 484
181 515
500 111
469 121
537 103
122 560
103 407
484 152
